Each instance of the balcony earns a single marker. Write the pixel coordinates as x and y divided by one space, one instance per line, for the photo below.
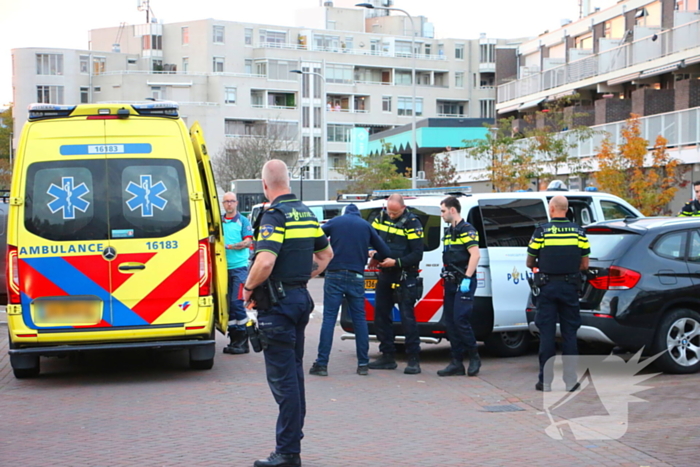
261 99
613 60
345 50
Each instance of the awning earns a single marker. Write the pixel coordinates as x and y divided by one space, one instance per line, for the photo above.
623 79
659 70
531 104
510 108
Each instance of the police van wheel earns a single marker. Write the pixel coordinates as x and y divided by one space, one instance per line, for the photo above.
508 344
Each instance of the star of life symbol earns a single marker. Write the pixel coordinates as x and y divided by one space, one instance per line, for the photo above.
68 198
146 196
613 380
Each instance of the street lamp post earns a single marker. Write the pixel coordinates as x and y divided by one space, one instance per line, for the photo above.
323 126
494 135
414 161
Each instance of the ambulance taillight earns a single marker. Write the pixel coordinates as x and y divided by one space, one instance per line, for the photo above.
12 275
204 268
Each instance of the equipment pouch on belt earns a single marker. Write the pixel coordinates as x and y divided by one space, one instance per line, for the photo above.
540 279
266 295
251 329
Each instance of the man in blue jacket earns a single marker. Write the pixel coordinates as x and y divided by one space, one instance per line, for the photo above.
351 237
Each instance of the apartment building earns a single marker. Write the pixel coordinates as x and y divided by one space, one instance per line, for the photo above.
235 78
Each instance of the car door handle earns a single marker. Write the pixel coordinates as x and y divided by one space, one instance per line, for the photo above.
131 266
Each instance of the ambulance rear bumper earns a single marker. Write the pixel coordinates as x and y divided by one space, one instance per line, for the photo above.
55 350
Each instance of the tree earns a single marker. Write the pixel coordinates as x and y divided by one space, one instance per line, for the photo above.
443 173
622 171
374 172
510 166
242 157
6 123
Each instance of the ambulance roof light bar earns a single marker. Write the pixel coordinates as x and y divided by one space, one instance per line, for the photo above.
165 108
41 111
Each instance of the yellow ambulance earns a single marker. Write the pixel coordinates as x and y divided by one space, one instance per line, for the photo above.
114 235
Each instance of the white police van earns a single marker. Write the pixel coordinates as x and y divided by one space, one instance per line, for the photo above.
505 222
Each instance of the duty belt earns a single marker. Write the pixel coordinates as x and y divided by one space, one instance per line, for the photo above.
563 277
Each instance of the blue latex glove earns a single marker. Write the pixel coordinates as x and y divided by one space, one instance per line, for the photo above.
464 285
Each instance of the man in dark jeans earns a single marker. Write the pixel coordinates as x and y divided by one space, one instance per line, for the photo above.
351 236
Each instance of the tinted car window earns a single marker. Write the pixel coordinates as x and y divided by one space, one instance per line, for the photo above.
64 200
671 245
611 244
694 251
511 222
613 210
148 198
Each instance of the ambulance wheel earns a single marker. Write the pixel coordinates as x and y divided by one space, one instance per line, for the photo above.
202 357
207 364
24 366
509 343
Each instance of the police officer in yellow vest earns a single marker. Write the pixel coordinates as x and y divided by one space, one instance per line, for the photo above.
398 282
559 249
290 249
692 207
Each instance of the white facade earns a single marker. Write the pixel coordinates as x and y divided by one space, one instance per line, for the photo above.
233 76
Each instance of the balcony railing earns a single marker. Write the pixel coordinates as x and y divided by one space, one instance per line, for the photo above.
276 107
640 51
345 50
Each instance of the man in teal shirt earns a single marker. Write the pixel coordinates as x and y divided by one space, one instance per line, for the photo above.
238 235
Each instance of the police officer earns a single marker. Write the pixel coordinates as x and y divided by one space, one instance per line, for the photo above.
290 249
559 249
692 207
460 256
398 282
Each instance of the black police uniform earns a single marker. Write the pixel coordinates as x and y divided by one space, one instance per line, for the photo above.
404 237
458 306
690 209
289 230
558 246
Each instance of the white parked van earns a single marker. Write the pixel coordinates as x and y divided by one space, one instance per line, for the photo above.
505 222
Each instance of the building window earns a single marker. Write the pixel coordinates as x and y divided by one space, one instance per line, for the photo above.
487 108
157 65
49 64
459 79
131 61
317 173
428 48
152 42
305 117
339 133
584 42
229 95
459 51
261 68
84 95
386 103
405 106
49 94
340 74
305 143
248 66
317 117
85 64
317 146
487 53
451 109
348 44
98 65
272 38
402 77
218 65
97 89
248 36
324 42
185 35
185 64
279 69
402 48
218 34
157 92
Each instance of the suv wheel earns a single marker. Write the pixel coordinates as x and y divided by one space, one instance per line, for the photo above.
679 340
508 344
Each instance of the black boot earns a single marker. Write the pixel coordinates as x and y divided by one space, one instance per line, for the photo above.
279 460
413 367
455 368
385 362
474 362
239 343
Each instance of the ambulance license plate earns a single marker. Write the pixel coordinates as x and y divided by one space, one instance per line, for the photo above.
370 284
73 312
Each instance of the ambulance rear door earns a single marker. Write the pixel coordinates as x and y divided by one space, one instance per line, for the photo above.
508 226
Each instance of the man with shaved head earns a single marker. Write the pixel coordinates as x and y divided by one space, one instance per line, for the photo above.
290 249
398 282
559 250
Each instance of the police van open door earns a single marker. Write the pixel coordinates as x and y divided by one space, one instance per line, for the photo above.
508 226
218 253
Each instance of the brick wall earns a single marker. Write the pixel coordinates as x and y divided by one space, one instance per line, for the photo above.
580 115
647 101
687 94
612 110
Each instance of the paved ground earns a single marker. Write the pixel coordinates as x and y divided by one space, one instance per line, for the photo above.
144 409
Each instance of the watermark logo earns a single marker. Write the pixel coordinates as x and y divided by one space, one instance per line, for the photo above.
611 378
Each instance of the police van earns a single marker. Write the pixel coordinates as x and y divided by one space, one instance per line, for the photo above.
505 222
114 235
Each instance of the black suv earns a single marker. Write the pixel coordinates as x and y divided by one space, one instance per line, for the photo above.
643 289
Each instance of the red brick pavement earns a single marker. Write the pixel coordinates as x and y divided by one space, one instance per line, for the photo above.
145 409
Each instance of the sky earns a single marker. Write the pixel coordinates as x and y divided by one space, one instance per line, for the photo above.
65 23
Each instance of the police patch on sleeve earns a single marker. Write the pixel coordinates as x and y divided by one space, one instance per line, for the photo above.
419 231
266 230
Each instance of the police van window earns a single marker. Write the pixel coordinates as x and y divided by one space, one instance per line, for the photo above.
429 217
613 210
330 213
474 218
318 212
511 222
148 198
64 201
